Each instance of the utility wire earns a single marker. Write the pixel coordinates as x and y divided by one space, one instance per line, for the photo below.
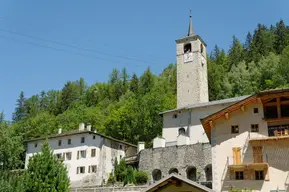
72 46
57 49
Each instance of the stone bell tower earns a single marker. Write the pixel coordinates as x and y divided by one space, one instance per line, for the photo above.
192 81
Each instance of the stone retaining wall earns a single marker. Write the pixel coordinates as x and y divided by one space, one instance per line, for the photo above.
180 157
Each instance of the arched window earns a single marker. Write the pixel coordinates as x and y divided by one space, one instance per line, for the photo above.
157 174
188 48
208 171
182 131
173 170
191 173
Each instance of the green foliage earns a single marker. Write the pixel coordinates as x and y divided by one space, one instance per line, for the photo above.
46 173
129 176
141 177
12 181
111 179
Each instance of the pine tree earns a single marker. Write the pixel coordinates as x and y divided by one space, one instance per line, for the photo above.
236 53
46 173
134 84
20 111
282 36
1 117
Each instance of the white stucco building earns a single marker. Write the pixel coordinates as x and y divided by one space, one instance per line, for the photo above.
249 135
249 141
89 156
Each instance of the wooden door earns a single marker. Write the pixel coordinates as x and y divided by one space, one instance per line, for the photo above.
237 155
258 154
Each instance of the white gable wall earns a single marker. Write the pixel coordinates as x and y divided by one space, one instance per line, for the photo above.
106 151
223 141
190 118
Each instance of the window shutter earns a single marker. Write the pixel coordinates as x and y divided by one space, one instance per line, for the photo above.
77 170
77 154
85 154
89 169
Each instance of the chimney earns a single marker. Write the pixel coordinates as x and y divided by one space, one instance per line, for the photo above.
140 146
88 127
59 130
81 127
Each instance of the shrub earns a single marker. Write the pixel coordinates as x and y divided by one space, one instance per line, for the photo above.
141 177
111 179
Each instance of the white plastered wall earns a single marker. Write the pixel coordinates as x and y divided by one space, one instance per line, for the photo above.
223 141
104 157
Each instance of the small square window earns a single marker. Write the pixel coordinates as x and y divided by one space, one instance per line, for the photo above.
83 154
93 137
239 175
92 169
235 129
58 155
175 116
259 175
35 145
256 110
254 128
69 141
80 170
59 142
120 147
82 139
68 156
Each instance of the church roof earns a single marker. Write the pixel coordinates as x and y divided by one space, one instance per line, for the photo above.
175 179
208 104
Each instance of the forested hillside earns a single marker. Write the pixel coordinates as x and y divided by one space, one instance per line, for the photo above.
127 106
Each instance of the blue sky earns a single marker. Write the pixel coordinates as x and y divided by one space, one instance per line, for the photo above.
110 34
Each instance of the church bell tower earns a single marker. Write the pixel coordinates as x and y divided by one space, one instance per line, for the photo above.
192 81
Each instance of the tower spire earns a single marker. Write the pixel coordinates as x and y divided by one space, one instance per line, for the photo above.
191 30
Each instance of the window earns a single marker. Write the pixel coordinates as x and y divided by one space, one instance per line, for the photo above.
254 128
259 175
235 129
92 169
82 139
93 152
81 154
93 137
35 145
175 116
202 48
80 170
188 48
120 147
67 156
239 175
256 110
182 131
69 141
120 157
59 142
58 155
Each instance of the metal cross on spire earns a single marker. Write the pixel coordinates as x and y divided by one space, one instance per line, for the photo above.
191 30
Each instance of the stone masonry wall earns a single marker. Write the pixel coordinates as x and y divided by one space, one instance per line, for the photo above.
180 157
